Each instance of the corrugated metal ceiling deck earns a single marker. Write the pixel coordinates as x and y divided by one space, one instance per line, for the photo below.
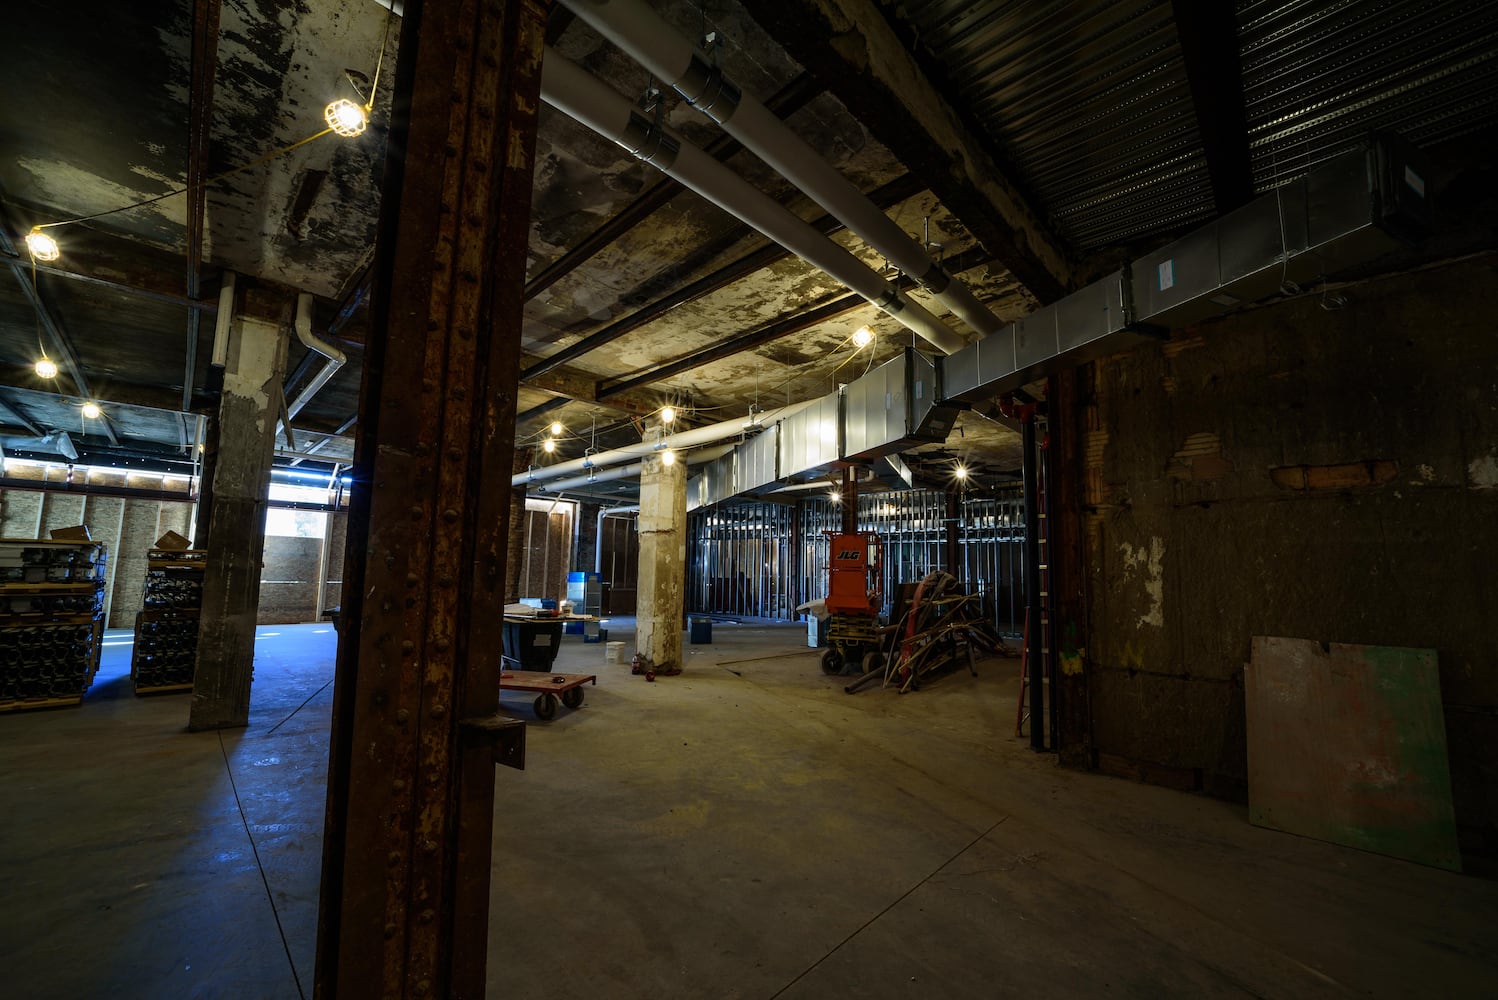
1087 101
1318 76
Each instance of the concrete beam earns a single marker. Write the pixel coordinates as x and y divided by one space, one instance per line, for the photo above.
860 59
570 383
1209 46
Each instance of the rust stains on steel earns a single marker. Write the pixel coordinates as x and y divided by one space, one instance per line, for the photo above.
411 783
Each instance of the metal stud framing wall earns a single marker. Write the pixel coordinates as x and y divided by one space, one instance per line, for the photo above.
741 551
740 560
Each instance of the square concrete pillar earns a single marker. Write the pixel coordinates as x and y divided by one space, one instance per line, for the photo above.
661 600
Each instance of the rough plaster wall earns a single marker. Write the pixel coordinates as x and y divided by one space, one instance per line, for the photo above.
19 511
288 580
333 585
1298 472
144 521
137 536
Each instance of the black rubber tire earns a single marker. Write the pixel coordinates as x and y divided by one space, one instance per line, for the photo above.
832 663
573 697
873 660
546 707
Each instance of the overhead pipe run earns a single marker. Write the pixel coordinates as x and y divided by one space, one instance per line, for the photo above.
694 438
580 95
640 32
336 358
627 471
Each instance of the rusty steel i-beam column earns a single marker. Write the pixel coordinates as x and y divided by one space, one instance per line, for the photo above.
406 854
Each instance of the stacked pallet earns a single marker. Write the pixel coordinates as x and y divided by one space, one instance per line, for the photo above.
51 621
166 629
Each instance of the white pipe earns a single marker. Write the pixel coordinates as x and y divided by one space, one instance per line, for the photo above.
637 29
629 471
336 358
694 438
221 325
598 534
580 95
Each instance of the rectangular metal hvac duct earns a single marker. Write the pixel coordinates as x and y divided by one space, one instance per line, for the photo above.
758 460
1087 324
980 370
931 418
810 439
876 410
1350 210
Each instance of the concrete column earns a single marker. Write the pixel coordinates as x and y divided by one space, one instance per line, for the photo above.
663 562
241 484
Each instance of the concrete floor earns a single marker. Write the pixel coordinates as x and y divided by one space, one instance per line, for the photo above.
744 830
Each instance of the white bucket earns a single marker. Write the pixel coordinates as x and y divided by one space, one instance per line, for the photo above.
613 652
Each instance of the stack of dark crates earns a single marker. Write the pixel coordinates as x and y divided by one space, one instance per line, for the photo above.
51 621
166 629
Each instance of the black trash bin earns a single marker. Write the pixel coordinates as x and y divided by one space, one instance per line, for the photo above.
533 643
702 631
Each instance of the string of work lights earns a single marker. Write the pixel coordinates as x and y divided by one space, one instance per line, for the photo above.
343 117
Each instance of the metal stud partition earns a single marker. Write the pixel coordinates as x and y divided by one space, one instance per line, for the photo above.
741 559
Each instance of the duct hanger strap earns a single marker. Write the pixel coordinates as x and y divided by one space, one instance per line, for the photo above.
708 90
935 280
649 141
890 301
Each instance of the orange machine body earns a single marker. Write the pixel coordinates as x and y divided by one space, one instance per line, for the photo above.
855 577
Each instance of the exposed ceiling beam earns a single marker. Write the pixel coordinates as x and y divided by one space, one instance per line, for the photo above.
152 397
204 61
789 99
1209 47
782 327
582 387
901 188
19 416
62 344
857 55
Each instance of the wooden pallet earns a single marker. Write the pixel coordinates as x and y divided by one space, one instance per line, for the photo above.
27 704
162 689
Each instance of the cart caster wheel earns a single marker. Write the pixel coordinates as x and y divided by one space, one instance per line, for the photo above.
573 698
546 707
650 675
832 663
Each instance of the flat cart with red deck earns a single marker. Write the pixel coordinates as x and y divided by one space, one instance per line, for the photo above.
568 688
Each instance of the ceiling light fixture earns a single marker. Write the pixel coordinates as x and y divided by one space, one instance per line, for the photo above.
557 428
961 472
548 446
346 118
668 457
668 414
863 337
42 246
46 367
91 410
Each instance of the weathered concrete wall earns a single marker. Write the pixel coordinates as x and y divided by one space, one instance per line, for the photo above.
288 580
333 584
1299 472
128 526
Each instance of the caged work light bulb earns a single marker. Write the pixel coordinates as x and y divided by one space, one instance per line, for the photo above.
961 472
548 446
668 414
42 246
346 118
557 428
668 457
863 337
46 368
91 410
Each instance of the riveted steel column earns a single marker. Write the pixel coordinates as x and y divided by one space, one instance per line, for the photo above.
406 856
